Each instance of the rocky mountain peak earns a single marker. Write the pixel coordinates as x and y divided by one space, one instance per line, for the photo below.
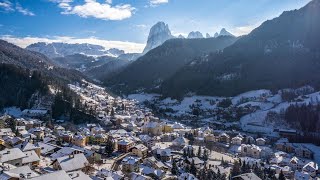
158 34
195 34
224 32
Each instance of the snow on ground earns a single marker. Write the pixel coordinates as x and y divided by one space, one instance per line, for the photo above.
13 111
251 94
262 105
254 122
315 149
203 101
275 99
52 89
169 101
143 97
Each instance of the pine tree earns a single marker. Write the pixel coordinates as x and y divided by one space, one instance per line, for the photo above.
193 169
205 154
202 174
174 169
236 169
199 152
281 176
109 147
244 167
112 112
185 153
187 169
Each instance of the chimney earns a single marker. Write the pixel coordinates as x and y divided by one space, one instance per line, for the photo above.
71 156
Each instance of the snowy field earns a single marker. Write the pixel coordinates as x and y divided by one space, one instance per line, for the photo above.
254 122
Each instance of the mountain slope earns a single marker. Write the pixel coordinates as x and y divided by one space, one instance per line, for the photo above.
283 52
17 85
102 72
81 62
54 50
160 63
33 61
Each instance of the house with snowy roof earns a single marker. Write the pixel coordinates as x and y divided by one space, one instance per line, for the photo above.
79 140
130 164
36 113
12 156
125 144
65 151
109 174
23 172
311 168
140 150
152 128
31 159
61 175
180 142
250 150
236 140
71 162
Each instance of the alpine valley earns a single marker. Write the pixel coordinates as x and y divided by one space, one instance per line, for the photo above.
195 105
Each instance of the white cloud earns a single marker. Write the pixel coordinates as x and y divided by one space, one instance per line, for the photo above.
158 2
244 30
129 47
9 7
24 11
6 5
92 8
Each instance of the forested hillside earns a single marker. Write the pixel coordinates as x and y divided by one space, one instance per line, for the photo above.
17 85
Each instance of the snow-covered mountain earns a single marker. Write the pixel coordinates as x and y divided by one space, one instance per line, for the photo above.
223 32
216 35
53 50
158 34
194 35
208 35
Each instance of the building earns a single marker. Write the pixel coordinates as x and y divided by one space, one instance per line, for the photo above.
12 156
100 138
27 146
61 175
311 168
167 128
247 176
180 142
130 164
79 140
125 145
260 141
36 113
303 152
140 150
71 163
32 159
23 172
224 138
148 141
236 140
152 128
250 150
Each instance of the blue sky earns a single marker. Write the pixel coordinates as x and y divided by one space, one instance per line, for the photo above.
125 23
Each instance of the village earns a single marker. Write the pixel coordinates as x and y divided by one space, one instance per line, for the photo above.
129 142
